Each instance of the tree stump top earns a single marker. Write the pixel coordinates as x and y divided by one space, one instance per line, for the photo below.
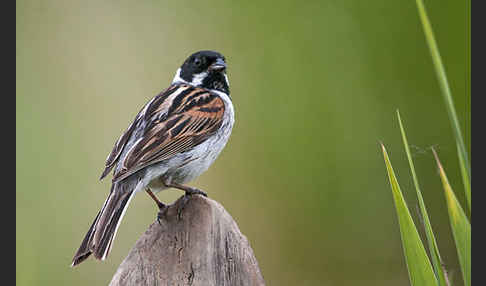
201 246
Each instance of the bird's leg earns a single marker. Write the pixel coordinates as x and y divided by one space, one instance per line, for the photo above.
159 203
189 191
162 206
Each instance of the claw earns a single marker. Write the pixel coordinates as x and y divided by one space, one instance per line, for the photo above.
194 191
162 212
161 205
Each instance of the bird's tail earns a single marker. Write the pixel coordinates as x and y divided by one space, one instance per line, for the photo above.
99 239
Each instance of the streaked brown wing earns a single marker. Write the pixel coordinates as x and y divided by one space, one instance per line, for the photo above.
122 141
117 149
192 116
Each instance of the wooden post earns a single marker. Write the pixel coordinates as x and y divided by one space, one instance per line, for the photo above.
202 246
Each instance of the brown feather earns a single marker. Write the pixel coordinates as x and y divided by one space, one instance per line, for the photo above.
122 141
186 120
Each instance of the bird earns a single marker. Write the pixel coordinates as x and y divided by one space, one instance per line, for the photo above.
173 139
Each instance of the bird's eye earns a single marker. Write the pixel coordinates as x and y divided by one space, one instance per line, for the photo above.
197 62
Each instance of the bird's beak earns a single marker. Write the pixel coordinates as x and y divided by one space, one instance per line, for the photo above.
218 65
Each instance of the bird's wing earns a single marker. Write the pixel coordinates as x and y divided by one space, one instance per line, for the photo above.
140 120
119 145
173 122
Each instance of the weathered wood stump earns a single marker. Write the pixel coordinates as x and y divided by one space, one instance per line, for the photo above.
201 246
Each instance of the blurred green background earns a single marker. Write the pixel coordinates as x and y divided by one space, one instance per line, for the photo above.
315 85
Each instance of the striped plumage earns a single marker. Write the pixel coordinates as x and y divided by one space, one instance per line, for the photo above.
173 139
193 115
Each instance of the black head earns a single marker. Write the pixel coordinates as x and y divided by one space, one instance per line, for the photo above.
204 69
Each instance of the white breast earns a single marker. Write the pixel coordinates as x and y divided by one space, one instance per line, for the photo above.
199 159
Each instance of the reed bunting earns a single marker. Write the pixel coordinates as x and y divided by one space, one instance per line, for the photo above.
174 138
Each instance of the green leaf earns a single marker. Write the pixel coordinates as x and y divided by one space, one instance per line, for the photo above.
446 92
419 268
433 248
461 228
465 180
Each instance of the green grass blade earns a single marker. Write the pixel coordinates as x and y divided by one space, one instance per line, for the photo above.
461 228
433 248
465 180
419 268
444 85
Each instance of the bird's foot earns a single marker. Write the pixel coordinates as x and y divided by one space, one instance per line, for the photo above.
189 192
162 211
193 191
